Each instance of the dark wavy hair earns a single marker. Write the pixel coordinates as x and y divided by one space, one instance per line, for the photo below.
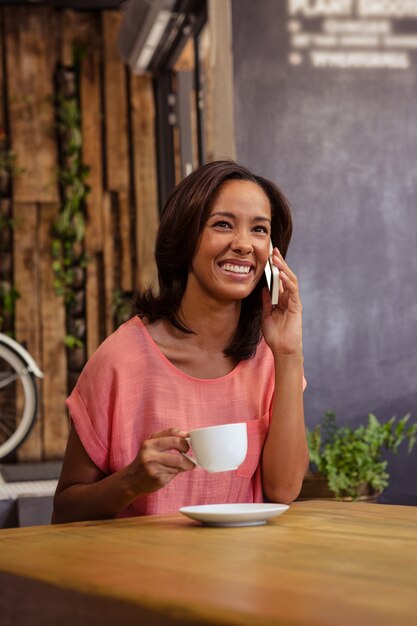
184 216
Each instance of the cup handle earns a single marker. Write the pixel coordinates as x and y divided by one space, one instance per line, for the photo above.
190 458
187 456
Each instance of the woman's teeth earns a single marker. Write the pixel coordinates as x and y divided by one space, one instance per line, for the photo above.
237 269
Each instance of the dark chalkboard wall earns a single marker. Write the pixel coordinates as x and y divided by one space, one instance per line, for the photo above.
342 143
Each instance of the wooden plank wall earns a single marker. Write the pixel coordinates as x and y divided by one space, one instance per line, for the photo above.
122 216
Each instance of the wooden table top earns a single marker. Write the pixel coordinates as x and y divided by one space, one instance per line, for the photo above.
320 563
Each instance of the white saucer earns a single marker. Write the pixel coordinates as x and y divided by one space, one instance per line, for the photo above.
251 514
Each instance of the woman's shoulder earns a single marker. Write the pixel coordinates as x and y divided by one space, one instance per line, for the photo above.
125 334
262 362
119 349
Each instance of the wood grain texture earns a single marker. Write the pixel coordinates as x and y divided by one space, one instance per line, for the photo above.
93 292
2 82
31 57
67 28
91 106
28 306
126 250
109 259
88 32
117 143
145 178
222 143
115 101
319 564
54 358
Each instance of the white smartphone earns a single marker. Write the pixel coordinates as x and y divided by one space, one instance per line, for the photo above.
272 277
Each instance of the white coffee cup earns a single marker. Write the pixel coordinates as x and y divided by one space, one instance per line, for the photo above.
219 448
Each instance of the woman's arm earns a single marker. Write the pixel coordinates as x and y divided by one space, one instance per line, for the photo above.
84 492
285 456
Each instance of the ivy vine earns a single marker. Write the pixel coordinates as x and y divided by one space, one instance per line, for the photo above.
9 169
122 306
8 160
68 231
8 296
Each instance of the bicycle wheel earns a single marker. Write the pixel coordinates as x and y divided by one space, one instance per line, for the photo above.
18 401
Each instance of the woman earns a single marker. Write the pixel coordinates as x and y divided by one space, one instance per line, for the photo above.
208 349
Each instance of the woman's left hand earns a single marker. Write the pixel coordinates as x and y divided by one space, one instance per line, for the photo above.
282 324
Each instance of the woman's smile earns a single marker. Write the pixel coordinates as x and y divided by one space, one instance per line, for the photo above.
236 269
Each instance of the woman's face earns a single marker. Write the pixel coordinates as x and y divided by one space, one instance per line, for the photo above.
234 244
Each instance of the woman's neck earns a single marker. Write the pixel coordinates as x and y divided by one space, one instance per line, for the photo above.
214 324
199 354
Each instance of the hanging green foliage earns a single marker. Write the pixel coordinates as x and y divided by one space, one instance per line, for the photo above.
8 160
68 232
69 228
9 169
8 297
122 306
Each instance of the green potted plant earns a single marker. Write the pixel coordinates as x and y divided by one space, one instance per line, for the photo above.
347 463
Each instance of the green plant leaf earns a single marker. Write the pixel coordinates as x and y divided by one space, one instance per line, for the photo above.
69 227
352 457
73 342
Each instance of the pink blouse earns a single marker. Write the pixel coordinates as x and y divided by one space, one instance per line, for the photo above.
129 390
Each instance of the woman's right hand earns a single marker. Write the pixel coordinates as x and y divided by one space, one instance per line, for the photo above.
158 461
84 492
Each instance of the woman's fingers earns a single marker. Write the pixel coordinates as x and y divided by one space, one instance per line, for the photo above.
170 432
157 470
161 448
167 443
266 303
172 463
283 265
289 283
288 278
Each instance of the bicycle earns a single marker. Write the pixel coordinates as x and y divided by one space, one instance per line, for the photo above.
18 395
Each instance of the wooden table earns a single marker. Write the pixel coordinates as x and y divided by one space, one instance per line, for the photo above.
320 563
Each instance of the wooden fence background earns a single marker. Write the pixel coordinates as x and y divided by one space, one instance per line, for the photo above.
118 146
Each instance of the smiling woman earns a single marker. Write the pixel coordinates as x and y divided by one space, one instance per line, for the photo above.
208 349
184 220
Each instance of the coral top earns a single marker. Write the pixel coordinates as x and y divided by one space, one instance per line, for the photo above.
129 390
